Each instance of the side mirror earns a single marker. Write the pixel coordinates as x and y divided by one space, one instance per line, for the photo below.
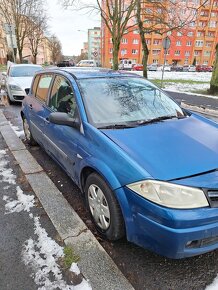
60 118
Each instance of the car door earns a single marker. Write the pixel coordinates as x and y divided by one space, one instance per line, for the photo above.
62 140
37 105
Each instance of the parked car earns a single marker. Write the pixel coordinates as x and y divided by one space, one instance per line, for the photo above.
147 167
166 68
87 63
125 64
204 68
189 68
138 67
176 68
65 63
18 80
152 67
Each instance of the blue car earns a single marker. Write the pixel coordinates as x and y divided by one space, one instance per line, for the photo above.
147 167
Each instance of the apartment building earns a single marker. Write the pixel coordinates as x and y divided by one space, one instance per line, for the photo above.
195 41
94 44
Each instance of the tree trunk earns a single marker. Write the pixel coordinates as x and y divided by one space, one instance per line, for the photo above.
20 55
214 78
116 47
145 50
34 59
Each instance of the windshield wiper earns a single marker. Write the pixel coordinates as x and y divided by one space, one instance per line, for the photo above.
116 126
159 119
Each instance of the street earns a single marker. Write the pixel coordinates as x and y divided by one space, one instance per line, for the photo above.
145 270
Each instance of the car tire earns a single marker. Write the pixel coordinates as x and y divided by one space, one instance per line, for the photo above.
27 132
104 208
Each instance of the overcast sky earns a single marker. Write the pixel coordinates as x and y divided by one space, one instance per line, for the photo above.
65 25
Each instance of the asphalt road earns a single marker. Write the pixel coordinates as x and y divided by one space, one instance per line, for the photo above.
144 269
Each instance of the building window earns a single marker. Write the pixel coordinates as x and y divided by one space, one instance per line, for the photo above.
209 44
188 43
156 51
207 53
111 60
135 41
155 61
135 32
111 40
199 43
179 33
196 53
190 33
111 50
205 62
187 53
212 24
123 51
156 41
200 33
134 51
177 52
178 43
124 40
211 34
148 41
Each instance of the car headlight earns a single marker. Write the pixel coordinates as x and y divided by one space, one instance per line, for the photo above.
15 88
170 195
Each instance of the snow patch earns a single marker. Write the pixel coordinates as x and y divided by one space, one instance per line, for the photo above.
23 203
17 131
84 285
6 174
214 285
75 269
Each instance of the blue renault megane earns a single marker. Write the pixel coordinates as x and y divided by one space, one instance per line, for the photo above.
147 167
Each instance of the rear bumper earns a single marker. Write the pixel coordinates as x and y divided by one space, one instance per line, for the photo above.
172 233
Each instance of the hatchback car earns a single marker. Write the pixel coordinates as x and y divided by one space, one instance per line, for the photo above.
18 80
137 67
147 167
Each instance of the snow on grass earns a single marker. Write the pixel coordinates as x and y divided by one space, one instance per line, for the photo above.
6 174
17 131
42 255
23 203
75 269
181 87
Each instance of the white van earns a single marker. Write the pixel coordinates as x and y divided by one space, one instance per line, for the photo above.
125 64
87 63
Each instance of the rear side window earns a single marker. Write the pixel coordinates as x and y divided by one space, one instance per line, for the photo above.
43 87
36 80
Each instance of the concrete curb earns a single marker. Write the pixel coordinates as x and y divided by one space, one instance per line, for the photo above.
200 109
95 264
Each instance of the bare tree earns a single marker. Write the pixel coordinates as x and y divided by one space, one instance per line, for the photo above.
37 28
18 13
214 78
116 16
55 48
162 17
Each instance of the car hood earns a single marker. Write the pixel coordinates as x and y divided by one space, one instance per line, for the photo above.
171 149
22 82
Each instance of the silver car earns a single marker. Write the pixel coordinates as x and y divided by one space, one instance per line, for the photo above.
18 80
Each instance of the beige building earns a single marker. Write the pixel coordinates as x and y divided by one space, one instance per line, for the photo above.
3 45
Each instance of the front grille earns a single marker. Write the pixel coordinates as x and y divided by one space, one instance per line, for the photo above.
213 197
18 98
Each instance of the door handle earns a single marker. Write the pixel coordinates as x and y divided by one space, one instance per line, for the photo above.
47 120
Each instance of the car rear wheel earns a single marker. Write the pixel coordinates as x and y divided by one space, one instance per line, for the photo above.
28 135
104 208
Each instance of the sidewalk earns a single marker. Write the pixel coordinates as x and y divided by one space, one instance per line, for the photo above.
200 103
95 264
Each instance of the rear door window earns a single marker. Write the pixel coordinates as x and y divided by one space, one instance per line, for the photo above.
43 87
35 84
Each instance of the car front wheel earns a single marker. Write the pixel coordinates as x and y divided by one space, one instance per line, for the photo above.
104 208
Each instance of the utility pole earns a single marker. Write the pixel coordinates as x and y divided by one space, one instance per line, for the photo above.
9 29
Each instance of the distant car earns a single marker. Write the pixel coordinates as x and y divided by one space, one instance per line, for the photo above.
166 68
65 63
152 67
147 167
176 68
138 67
87 63
18 80
204 68
125 64
189 68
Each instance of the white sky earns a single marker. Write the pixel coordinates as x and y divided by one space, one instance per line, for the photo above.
66 23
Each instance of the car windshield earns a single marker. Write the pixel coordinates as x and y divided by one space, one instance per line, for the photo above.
125 100
24 71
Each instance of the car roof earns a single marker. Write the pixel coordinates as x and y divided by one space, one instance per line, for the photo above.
24 64
86 73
